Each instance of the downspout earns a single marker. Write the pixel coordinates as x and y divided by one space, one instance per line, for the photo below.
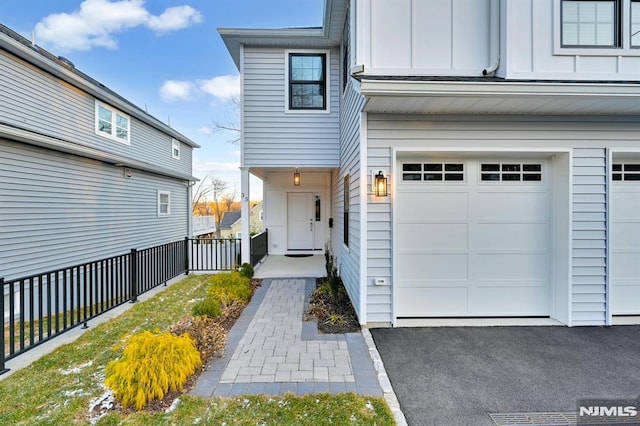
494 39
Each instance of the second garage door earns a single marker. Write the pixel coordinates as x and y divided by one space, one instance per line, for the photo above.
473 238
625 229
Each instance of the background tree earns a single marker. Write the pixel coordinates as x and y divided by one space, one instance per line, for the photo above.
230 123
214 196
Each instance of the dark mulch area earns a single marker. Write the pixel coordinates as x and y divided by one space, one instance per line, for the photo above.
335 314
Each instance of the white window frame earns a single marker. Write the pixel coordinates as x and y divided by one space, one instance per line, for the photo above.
624 24
160 203
175 149
327 73
114 114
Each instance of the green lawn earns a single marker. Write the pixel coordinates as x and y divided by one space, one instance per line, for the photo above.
59 388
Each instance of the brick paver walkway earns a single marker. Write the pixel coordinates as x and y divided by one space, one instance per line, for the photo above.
271 350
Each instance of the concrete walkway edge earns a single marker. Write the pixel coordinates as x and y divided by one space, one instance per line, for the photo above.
383 379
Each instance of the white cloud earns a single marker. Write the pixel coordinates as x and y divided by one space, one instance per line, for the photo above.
174 18
97 21
223 87
174 90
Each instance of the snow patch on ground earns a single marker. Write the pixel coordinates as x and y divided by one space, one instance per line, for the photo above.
77 369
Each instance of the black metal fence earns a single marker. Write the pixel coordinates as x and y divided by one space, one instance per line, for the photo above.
39 307
259 247
215 254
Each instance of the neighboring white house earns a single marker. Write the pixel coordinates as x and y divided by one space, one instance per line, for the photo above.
84 174
509 135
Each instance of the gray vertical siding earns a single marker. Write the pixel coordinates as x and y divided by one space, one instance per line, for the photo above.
38 102
589 271
59 210
274 138
350 163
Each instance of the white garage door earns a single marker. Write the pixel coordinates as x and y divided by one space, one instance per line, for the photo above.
473 238
625 229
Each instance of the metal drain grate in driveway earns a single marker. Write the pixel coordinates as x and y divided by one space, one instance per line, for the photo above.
548 419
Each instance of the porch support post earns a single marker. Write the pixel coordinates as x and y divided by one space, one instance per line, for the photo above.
245 226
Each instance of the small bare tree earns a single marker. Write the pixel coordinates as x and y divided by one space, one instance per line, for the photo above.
230 123
214 196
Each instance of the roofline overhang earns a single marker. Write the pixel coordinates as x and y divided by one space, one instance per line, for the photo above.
32 56
379 89
25 136
326 36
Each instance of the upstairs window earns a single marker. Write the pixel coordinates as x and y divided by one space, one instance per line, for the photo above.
591 23
175 149
635 23
111 123
307 84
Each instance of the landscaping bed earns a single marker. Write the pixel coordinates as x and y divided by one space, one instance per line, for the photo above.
67 386
335 313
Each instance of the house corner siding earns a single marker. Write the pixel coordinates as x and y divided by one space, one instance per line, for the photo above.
589 272
350 163
380 244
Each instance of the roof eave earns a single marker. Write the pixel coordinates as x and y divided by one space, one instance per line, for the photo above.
235 37
421 97
33 57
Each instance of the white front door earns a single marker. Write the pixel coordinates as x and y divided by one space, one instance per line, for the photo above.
625 229
300 221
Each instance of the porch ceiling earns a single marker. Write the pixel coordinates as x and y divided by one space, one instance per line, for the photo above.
261 171
463 97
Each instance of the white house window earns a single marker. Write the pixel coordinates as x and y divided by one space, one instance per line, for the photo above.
175 149
112 124
164 203
307 81
592 23
635 24
261 215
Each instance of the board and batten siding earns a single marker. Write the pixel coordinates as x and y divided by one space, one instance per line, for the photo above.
59 210
38 102
275 138
350 163
587 138
589 270
417 37
530 51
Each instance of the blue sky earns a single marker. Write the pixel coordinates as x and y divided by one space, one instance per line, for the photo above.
162 55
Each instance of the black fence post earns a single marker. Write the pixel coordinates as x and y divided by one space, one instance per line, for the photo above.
186 255
3 369
133 275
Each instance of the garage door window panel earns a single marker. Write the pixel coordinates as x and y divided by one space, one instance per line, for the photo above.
433 172
510 172
626 172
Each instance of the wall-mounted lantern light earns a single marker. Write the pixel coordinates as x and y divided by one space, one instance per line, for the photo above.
380 182
296 178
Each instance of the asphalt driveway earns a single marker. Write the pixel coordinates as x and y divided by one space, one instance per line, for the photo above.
457 375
